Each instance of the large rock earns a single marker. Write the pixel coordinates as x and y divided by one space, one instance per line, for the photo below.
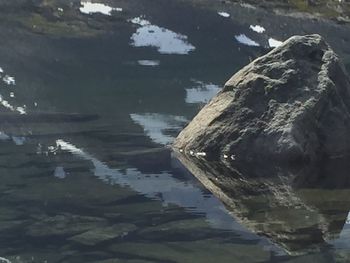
289 105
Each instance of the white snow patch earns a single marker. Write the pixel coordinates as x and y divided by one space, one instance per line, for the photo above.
224 14
92 8
257 28
274 43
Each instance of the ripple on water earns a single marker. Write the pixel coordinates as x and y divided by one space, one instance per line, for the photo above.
165 40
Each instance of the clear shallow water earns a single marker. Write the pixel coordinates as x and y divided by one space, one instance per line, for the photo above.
86 172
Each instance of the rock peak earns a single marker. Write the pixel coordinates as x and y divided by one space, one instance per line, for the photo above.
290 105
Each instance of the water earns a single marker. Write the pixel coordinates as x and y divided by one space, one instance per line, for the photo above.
90 100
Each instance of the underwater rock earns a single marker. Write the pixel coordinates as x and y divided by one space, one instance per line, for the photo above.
98 235
64 225
290 105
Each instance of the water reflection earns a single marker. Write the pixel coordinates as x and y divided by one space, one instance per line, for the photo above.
160 128
150 63
301 210
201 93
165 40
161 186
243 39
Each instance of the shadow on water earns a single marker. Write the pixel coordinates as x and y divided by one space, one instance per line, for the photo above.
301 210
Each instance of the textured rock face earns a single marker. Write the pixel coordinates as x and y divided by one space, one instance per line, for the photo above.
289 105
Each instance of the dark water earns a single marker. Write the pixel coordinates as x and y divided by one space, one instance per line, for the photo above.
89 103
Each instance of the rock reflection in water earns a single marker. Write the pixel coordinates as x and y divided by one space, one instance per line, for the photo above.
300 210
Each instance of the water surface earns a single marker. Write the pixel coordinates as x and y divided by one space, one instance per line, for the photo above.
91 96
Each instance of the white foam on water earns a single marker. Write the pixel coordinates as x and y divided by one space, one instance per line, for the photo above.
274 43
12 94
150 63
243 39
257 28
203 93
155 125
1 70
165 40
224 14
92 8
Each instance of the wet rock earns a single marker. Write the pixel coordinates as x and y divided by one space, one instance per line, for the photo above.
290 105
98 235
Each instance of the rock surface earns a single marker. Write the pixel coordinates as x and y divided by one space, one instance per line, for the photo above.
290 105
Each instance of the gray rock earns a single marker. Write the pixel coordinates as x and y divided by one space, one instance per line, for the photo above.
289 105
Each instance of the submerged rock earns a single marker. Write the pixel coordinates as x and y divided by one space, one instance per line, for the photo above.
289 105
